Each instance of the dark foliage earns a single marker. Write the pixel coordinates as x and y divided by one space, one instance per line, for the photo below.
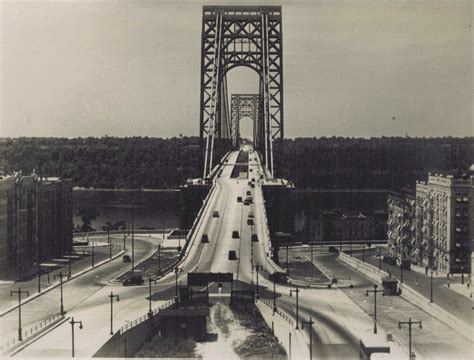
376 163
318 163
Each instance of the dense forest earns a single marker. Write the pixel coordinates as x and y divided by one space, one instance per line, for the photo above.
322 163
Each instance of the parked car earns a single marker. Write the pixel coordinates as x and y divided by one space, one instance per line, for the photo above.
205 238
250 214
252 186
250 222
235 234
254 238
232 255
126 258
239 198
249 193
133 280
215 213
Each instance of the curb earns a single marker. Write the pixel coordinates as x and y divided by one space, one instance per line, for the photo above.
56 284
420 301
32 340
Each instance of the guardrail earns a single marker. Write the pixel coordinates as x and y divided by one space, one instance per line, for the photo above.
281 313
267 240
30 332
146 316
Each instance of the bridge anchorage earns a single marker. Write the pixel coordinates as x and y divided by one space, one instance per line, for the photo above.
234 36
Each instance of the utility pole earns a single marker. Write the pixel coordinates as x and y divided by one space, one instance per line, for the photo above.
112 296
60 276
158 247
19 292
133 239
124 238
375 291
92 255
310 323
257 267
409 323
274 297
176 271
297 305
69 266
431 285
72 322
38 261
110 250
150 312
380 258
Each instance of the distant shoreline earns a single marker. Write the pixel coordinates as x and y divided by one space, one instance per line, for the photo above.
115 190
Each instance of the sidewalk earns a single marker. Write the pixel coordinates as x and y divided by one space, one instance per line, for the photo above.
435 340
449 299
101 253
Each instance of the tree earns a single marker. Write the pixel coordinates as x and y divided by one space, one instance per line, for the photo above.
87 214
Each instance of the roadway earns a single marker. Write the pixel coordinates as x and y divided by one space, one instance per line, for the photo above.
87 297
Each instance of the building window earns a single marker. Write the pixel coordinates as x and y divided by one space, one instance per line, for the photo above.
458 212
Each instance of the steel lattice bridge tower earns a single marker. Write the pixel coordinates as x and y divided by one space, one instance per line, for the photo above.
245 105
249 36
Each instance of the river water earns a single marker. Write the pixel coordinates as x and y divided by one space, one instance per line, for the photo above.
153 207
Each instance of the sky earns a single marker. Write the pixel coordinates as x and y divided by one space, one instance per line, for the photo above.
132 68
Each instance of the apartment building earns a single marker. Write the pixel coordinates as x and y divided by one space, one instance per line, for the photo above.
435 229
35 221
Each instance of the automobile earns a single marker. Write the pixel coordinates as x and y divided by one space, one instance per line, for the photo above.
205 238
232 255
249 193
249 199
249 183
133 280
252 186
253 179
254 238
235 234
239 198
126 258
246 202
215 213
250 214
251 170
250 222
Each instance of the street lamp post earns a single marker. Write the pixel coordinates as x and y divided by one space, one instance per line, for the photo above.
257 267
163 230
72 322
133 240
110 250
150 312
60 276
124 238
296 291
112 296
158 247
375 291
310 323
176 271
380 258
287 258
92 258
431 285
69 266
409 323
19 292
274 296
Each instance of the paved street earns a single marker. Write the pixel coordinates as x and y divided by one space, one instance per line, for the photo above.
450 300
76 292
435 340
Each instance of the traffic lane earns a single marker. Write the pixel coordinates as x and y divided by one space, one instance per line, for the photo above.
330 338
230 222
75 292
213 228
455 303
332 267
